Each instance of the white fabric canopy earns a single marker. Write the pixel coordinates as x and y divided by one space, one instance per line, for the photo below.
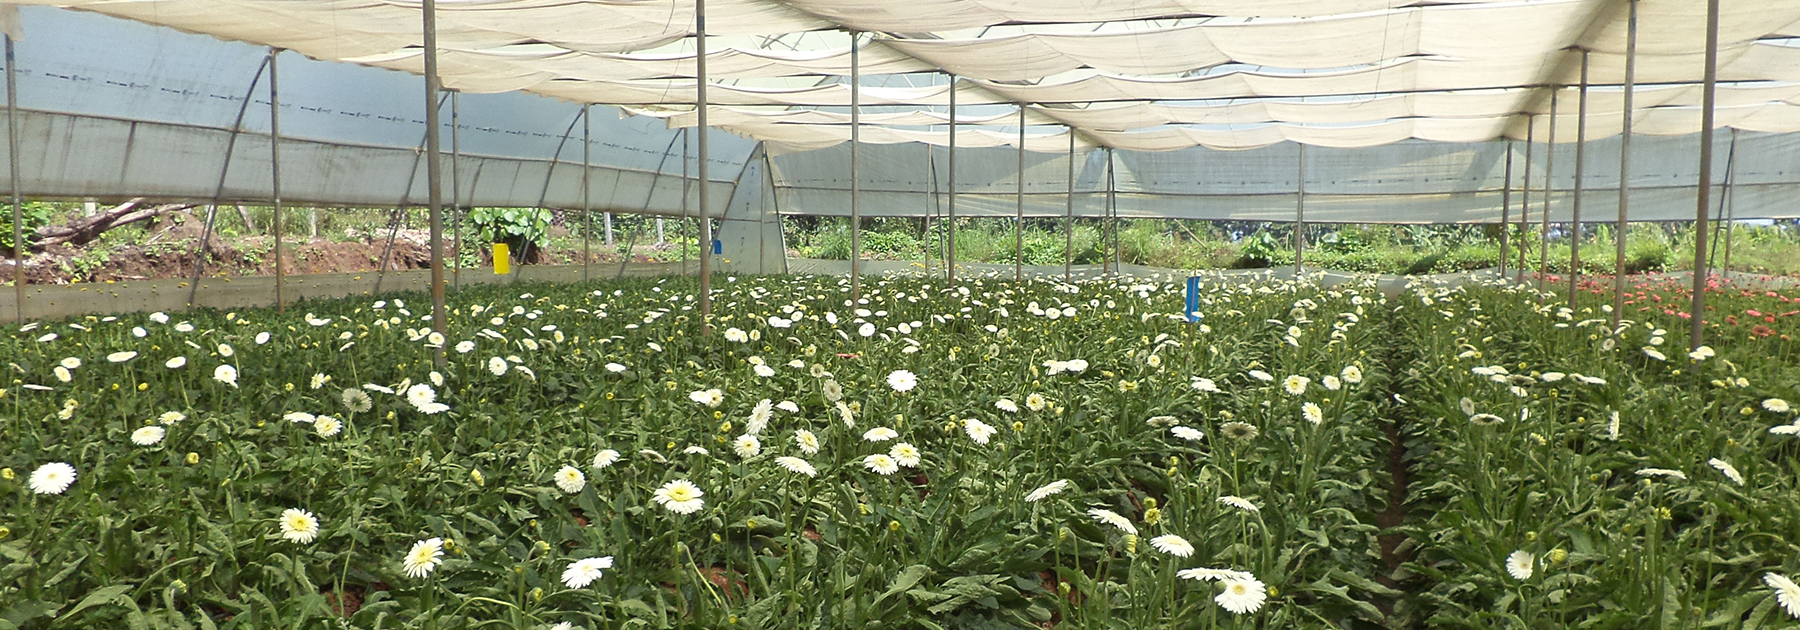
1332 72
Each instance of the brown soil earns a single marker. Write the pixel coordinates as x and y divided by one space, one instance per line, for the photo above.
172 251
344 606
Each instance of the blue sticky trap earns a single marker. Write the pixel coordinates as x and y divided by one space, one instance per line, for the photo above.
1193 299
718 247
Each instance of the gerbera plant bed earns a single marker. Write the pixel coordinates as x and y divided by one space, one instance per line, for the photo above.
988 455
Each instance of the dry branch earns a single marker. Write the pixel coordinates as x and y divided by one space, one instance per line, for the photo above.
85 229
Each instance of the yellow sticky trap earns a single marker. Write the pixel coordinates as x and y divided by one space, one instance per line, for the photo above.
502 259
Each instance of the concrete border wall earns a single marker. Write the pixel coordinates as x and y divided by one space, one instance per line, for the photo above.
67 300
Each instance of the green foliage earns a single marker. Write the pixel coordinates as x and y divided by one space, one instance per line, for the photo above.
32 215
518 226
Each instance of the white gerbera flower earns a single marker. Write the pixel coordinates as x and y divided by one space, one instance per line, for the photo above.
299 417
759 417
807 442
1261 376
424 557
1662 472
327 426
1777 405
788 406
680 496
1239 503
1173 545
570 479
1725 467
1295 385
905 454
150 435
1786 593
1205 385
584 571
880 434
1036 402
902 380
70 363
1187 433
299 525
1520 564
746 446
736 335
881 464
1242 596
979 431
1352 374
121 357
465 347
1112 518
226 374
420 395
1052 488
1330 383
797 466
763 370
605 458
1205 574
171 417
1006 405
1312 413
262 338
709 397
497 366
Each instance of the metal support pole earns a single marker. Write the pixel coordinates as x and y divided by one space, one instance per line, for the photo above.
1549 194
1505 207
587 208
1580 161
706 234
1525 199
218 191
1112 218
1719 221
275 181
931 210
434 175
1620 232
855 174
1069 218
12 167
684 198
1708 97
1730 201
456 207
1300 214
950 222
1019 212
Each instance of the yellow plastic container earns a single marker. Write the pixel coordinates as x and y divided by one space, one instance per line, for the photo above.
502 259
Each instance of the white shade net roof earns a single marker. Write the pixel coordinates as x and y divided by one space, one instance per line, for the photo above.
1146 75
1184 78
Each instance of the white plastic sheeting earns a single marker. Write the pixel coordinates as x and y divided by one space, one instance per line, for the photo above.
113 109
1203 101
1281 67
1403 182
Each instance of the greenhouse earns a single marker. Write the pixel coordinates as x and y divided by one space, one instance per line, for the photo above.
928 314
